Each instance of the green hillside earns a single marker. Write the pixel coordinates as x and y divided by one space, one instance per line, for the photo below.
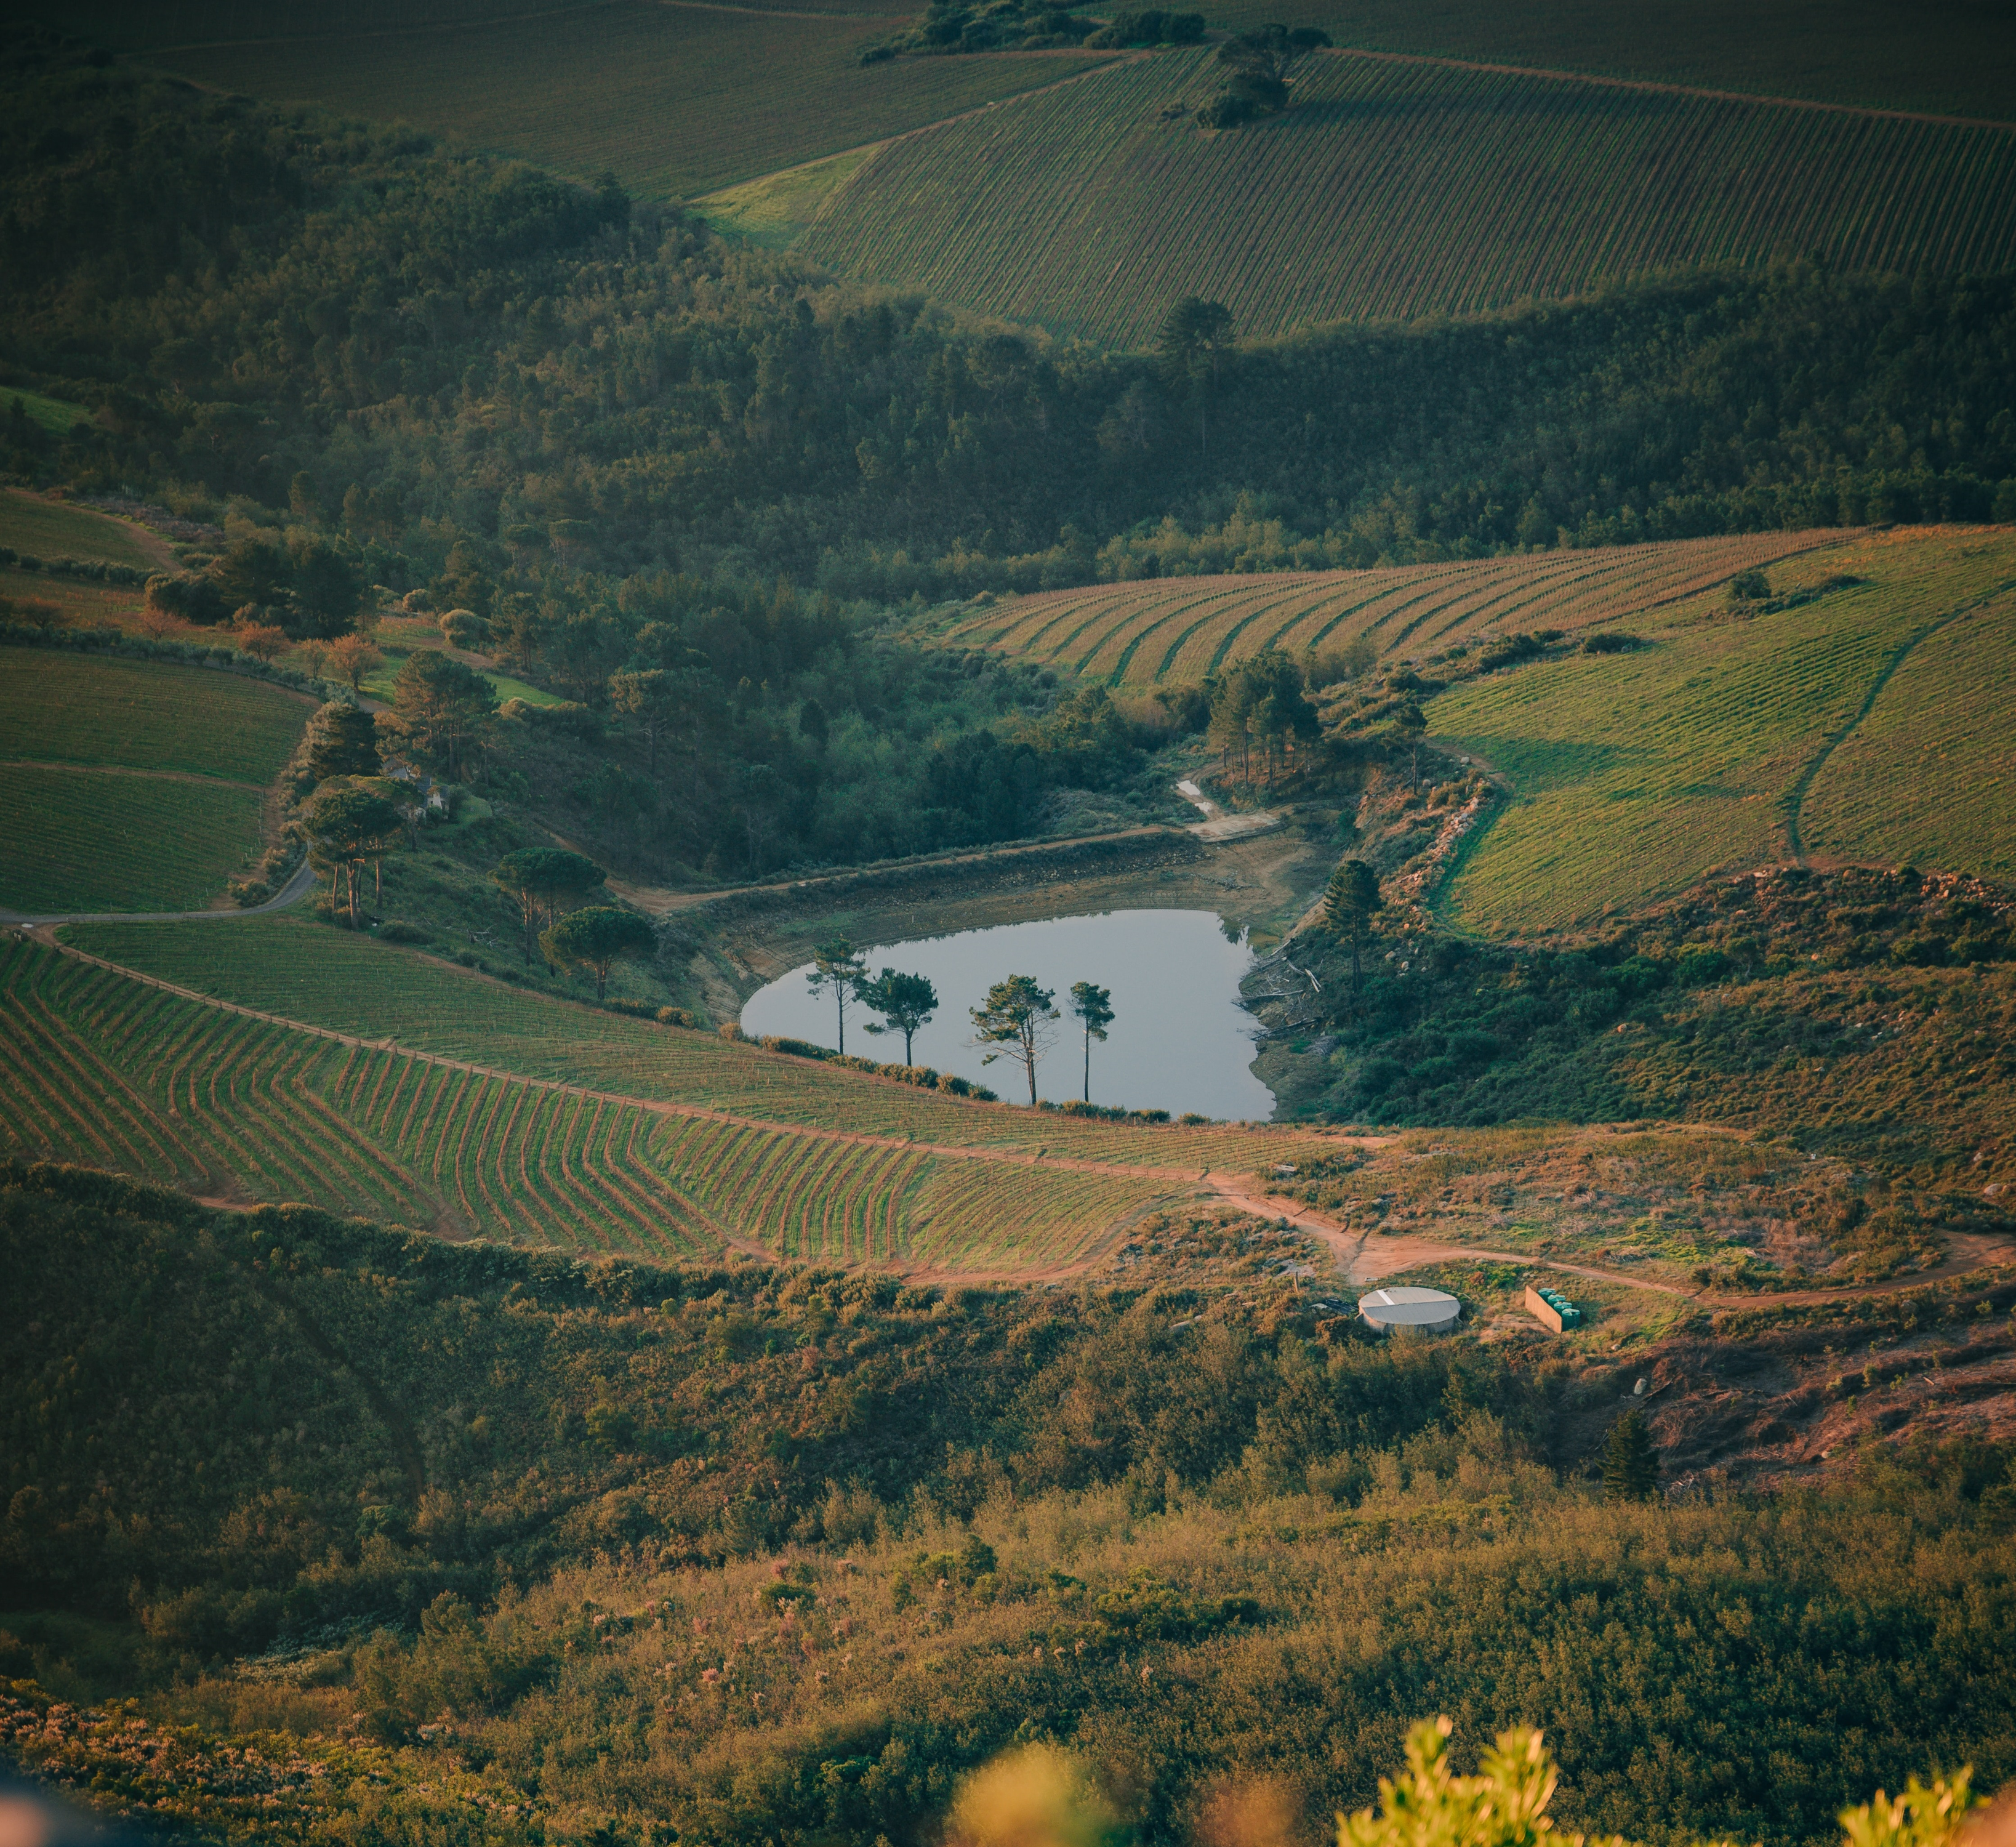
673 100
49 529
1949 57
781 1552
1742 740
130 787
1395 188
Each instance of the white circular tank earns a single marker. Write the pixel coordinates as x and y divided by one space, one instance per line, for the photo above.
1427 1310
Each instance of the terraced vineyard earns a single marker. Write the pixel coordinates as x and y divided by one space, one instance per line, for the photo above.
675 101
1396 187
1867 723
98 1068
1181 629
128 785
81 839
297 970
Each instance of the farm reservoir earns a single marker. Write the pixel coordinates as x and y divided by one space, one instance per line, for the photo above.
1179 1040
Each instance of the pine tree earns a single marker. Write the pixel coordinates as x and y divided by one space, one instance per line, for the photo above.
1630 1464
1349 905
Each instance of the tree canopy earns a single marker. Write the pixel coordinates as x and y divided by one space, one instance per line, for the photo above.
542 879
594 938
347 826
1093 1008
1016 1018
905 1003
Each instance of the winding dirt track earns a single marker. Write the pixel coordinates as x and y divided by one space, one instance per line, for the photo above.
1365 1258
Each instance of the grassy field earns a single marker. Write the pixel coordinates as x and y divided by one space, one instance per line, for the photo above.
50 529
73 708
88 840
101 1069
675 100
1933 760
83 604
1181 629
772 211
52 413
1633 775
398 636
1395 188
1949 57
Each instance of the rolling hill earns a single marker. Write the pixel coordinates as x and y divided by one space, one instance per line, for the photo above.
1857 720
1947 57
1396 188
129 786
1168 629
673 100
490 1112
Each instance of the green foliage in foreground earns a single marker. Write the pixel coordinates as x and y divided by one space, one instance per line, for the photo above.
787 1554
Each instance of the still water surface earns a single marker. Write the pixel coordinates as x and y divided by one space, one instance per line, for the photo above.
1179 1040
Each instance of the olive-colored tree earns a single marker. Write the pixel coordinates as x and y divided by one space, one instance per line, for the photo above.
1016 1019
544 880
1350 904
594 937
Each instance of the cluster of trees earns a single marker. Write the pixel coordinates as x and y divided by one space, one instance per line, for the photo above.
308 584
949 26
1016 1019
1261 701
1258 61
356 813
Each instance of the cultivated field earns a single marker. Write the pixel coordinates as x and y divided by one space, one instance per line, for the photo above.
1737 740
1933 760
675 100
1948 59
50 529
130 787
88 840
1395 188
326 978
59 708
1181 629
99 1068
52 413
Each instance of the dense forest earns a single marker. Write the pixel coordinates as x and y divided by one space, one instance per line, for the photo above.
562 1551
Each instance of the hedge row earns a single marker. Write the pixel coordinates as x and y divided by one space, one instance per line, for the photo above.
186 653
93 570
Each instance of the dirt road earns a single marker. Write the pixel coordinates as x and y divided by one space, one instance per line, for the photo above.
1366 1257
